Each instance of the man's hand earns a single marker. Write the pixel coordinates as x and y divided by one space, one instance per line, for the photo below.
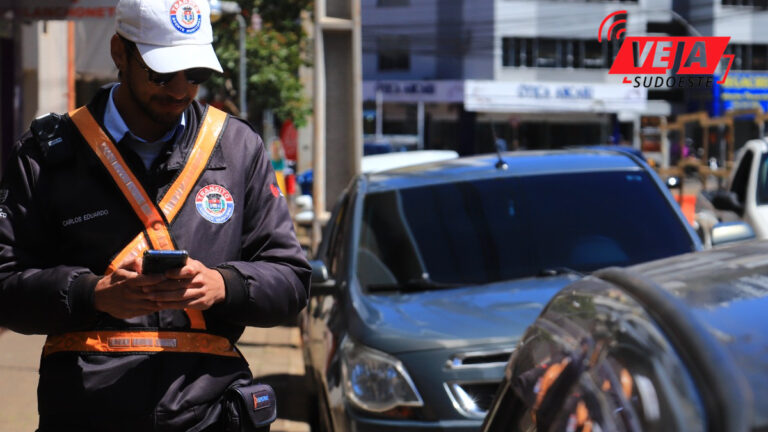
120 293
193 286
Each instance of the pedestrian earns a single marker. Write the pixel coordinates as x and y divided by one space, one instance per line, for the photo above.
145 166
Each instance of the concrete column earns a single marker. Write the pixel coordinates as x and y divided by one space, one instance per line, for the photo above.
52 67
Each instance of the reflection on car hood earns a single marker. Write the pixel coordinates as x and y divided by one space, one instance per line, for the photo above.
727 290
499 312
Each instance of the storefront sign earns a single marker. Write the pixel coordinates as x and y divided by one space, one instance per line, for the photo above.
415 91
507 96
741 91
60 10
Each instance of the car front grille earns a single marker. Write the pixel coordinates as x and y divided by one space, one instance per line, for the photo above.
480 359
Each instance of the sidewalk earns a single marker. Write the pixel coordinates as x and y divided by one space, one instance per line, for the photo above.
274 356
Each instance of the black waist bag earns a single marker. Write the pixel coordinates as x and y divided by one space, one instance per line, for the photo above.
249 408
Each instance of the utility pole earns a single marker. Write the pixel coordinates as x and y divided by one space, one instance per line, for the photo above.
338 117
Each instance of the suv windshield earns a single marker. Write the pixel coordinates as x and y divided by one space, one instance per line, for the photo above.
488 230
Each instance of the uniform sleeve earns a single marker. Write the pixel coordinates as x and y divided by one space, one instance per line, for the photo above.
36 296
270 286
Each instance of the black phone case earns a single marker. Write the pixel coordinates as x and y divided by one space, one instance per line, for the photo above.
153 264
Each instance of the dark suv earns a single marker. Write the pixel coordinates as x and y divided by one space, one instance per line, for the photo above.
428 276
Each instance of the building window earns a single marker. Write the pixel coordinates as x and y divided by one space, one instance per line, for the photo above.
760 4
394 53
547 53
389 3
759 57
517 52
557 53
747 57
593 55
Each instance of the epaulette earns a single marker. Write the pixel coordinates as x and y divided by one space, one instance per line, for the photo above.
52 134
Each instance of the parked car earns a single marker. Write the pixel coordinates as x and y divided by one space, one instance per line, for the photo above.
678 344
428 275
745 198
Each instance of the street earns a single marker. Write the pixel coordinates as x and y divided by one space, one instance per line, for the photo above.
273 354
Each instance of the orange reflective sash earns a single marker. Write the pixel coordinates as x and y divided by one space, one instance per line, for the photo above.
157 234
140 341
142 205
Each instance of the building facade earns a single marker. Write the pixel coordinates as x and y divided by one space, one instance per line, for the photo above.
532 72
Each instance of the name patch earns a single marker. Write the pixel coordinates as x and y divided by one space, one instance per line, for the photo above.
84 218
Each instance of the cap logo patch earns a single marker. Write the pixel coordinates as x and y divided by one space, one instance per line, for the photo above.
215 204
185 16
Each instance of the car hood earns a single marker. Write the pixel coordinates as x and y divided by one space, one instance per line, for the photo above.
496 313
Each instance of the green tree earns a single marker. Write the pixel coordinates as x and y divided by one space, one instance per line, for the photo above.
274 54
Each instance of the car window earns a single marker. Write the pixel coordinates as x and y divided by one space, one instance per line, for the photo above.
741 178
762 182
488 230
335 233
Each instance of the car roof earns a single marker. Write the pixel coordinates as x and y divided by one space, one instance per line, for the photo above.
389 161
519 163
726 290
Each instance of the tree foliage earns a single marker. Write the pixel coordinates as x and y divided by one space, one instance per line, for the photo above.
274 54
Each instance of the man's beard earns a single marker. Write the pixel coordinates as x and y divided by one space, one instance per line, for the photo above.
162 118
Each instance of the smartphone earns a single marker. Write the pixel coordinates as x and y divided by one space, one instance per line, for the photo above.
158 261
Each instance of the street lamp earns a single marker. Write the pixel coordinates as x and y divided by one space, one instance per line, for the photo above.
219 8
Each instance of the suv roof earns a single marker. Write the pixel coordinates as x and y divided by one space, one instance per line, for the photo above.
519 163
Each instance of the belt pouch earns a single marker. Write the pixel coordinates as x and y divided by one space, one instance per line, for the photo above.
249 408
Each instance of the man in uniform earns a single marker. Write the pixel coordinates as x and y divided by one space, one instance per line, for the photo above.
142 166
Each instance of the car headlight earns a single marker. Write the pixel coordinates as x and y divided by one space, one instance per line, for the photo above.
375 381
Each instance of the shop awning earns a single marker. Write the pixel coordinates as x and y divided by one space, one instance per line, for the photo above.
59 10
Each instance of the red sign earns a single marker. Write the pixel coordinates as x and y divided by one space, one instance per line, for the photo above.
680 55
652 55
290 139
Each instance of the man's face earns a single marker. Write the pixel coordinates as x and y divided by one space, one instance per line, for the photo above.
161 103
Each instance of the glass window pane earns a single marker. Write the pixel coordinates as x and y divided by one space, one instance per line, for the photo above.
485 231
394 53
547 53
593 55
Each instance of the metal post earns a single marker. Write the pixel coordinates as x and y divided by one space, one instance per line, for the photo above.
318 156
241 85
664 142
420 124
357 86
379 115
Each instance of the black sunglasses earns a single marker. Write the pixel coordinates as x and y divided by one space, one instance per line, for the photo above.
194 76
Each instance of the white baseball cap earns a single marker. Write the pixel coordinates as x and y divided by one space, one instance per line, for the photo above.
171 35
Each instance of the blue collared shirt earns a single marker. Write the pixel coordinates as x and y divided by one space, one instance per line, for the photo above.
148 151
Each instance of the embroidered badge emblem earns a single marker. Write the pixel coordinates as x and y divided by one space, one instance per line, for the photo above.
215 204
185 16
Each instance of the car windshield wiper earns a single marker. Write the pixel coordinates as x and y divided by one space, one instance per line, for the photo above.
416 284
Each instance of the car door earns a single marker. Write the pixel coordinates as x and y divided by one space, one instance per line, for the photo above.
324 317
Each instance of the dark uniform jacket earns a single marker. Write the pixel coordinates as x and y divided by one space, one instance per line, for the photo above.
63 219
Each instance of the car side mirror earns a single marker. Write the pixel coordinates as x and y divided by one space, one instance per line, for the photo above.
322 283
726 200
729 232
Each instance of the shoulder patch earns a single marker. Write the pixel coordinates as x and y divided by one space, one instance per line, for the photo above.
214 203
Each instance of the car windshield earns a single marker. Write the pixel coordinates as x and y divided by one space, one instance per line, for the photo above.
487 230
